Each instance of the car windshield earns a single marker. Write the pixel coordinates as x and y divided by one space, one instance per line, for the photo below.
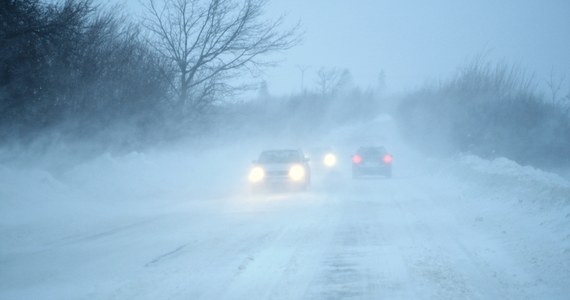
286 156
371 151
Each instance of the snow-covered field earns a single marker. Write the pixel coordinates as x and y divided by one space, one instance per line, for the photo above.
180 224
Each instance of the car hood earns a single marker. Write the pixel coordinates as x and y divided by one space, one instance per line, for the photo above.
276 167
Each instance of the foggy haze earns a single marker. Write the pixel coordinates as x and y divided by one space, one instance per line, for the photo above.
207 149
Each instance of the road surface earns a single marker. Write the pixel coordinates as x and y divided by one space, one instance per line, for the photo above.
428 233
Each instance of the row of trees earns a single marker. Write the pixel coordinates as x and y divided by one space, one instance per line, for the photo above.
329 82
71 63
491 110
333 100
83 70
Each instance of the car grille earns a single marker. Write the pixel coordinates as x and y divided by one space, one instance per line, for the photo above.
276 173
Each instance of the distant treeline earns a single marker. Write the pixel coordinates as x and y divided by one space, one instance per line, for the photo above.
304 115
491 110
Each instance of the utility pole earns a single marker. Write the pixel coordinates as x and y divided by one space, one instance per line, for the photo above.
303 68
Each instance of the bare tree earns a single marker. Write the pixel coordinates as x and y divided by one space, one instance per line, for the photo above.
331 81
326 80
554 84
381 82
210 42
344 82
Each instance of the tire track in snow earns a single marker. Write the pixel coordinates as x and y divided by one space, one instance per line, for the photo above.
361 261
166 255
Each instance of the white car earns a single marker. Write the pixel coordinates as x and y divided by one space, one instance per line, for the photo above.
280 169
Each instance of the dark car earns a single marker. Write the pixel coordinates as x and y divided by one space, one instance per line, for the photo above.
371 161
280 169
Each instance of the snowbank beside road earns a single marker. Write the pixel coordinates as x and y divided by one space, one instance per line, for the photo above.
39 206
527 210
508 168
504 180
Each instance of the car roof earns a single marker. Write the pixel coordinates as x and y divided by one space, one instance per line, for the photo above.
281 155
372 148
320 148
281 150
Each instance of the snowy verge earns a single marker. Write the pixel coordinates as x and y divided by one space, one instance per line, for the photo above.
523 209
502 179
39 206
508 168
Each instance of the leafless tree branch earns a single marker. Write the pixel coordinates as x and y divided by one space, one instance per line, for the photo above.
208 40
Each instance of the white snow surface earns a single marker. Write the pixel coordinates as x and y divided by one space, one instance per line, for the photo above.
181 224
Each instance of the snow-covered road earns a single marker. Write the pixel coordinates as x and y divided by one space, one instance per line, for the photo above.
456 229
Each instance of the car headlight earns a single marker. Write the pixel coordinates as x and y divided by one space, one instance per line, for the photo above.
256 174
329 160
297 172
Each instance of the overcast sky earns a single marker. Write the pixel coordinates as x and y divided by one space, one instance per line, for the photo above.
418 41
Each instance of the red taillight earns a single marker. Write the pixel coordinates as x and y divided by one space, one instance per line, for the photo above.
387 159
356 159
